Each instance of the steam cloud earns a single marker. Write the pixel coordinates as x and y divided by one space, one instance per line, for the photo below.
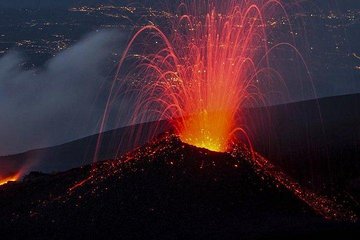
59 102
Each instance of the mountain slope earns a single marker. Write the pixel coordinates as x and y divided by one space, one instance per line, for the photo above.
314 150
168 189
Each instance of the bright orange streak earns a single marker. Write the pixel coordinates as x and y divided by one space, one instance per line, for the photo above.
10 179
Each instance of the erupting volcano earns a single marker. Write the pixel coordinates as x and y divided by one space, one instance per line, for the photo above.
201 71
184 164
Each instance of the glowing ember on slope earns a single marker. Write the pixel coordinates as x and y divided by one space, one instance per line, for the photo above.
12 178
14 173
201 71
323 205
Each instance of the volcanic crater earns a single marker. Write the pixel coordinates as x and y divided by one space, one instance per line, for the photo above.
169 189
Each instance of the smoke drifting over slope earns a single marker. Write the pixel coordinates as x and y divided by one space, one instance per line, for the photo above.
59 102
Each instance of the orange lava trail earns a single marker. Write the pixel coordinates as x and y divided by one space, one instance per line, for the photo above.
324 206
79 184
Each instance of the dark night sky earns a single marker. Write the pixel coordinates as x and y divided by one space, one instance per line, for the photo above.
36 112
66 3
58 3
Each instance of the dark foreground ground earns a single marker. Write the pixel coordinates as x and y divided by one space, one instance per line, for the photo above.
168 189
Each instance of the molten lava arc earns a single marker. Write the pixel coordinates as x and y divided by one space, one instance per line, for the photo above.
201 71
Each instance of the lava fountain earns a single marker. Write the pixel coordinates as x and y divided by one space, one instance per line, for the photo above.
201 70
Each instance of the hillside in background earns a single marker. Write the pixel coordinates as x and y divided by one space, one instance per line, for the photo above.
319 150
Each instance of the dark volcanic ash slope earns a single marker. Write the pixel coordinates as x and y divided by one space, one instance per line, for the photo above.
316 151
166 189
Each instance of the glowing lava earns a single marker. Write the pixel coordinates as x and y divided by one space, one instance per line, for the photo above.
207 130
12 178
201 71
